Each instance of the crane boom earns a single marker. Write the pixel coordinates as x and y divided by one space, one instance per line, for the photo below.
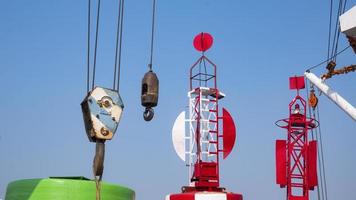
332 95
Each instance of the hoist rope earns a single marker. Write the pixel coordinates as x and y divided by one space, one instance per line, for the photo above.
96 43
322 154
333 47
341 10
339 30
312 130
335 29
330 21
117 43
117 65
321 162
325 61
120 43
152 33
88 47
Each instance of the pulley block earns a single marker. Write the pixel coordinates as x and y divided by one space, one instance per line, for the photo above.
149 94
102 109
313 100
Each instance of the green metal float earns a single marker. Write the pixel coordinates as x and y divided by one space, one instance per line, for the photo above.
65 188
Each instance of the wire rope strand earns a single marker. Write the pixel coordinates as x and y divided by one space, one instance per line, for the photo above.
117 42
330 21
152 33
120 44
338 32
312 131
319 162
96 43
88 46
322 155
325 61
336 29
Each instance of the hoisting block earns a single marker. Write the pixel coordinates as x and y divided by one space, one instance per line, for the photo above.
149 94
102 109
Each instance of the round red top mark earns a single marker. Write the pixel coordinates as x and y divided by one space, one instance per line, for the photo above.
203 41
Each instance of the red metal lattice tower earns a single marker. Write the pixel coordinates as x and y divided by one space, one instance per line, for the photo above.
204 97
209 133
296 156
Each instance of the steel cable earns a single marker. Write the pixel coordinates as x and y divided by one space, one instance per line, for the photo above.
330 21
96 43
338 28
322 154
312 130
325 61
152 33
88 46
117 42
120 44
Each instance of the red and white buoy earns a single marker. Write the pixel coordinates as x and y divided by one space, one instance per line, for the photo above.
296 157
197 135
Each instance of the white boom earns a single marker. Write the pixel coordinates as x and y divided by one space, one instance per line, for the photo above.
332 95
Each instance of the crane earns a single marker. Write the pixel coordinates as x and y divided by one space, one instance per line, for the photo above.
348 27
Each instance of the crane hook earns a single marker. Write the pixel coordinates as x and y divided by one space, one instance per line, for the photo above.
149 94
148 114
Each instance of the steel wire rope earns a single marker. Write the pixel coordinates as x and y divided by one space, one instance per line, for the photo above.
330 22
335 28
96 43
338 29
320 161
312 131
325 61
88 46
117 42
120 44
152 33
322 154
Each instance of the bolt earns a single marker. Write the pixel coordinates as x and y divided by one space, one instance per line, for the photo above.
104 132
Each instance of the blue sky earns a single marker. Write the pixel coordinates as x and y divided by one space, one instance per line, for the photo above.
258 45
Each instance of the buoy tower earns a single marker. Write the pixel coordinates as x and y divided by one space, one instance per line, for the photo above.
296 157
206 132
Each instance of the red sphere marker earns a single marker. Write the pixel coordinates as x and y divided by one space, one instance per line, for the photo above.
203 41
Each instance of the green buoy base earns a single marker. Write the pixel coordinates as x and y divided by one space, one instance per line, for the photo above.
65 188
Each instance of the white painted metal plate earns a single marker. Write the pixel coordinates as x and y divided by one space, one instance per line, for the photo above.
178 135
348 22
210 196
